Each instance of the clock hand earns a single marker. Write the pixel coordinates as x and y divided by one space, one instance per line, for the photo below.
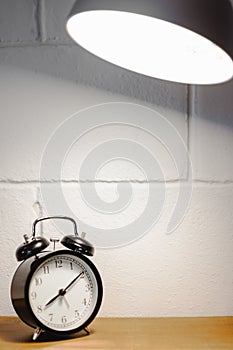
60 293
73 281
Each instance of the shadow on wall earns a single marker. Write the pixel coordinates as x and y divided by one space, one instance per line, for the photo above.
215 103
42 45
72 63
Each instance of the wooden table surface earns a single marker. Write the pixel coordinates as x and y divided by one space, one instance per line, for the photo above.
128 333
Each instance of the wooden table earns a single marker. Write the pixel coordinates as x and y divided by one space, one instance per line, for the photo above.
128 333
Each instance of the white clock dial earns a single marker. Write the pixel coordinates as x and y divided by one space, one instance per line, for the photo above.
63 292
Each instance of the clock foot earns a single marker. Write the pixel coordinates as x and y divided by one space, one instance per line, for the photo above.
86 329
37 333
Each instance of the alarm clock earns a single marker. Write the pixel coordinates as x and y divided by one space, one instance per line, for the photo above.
58 291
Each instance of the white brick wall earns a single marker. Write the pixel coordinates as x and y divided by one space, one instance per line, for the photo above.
45 79
55 15
13 27
212 150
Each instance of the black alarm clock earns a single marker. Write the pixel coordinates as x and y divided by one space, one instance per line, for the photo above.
57 291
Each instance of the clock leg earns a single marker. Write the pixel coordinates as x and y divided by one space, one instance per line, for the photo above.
86 329
37 333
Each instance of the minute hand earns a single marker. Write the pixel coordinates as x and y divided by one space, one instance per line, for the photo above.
54 298
73 281
62 291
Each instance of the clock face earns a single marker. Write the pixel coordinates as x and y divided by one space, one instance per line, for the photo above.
64 292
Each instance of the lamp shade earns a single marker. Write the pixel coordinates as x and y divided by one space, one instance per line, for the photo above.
186 41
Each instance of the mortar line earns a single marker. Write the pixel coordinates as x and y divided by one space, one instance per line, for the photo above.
37 19
188 126
41 20
36 182
36 43
195 181
190 112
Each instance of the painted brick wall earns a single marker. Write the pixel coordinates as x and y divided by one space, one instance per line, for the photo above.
180 139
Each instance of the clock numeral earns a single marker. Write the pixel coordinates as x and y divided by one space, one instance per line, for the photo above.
84 302
39 309
33 295
50 317
58 263
71 266
38 281
46 269
76 314
88 287
64 319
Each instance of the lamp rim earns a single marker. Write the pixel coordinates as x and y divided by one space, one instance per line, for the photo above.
202 31
212 19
